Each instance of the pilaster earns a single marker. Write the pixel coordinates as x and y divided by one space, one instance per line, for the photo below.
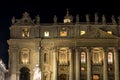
14 60
105 76
116 64
54 65
71 65
77 65
88 65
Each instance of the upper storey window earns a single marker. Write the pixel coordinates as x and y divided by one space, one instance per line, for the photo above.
25 54
25 32
63 32
82 32
46 34
109 32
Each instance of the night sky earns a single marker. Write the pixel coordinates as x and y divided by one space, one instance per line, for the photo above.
47 9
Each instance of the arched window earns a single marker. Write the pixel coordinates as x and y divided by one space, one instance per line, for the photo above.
25 54
110 58
46 58
83 57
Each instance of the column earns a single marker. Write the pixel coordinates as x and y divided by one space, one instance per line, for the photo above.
88 65
54 65
116 65
71 66
77 65
105 76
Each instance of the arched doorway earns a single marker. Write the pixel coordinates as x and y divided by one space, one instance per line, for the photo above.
63 77
24 73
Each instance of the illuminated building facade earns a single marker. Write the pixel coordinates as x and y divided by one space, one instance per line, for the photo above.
64 51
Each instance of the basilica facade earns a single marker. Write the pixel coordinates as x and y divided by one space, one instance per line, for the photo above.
72 50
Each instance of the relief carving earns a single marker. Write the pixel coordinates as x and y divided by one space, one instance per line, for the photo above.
63 56
25 55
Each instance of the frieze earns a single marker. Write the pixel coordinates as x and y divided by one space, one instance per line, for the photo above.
46 49
47 44
83 49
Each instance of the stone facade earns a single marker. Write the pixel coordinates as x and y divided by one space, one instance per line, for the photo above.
64 51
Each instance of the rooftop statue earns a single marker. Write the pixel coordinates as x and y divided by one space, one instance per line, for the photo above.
87 18
118 19
77 18
96 18
103 19
13 20
55 19
113 19
37 19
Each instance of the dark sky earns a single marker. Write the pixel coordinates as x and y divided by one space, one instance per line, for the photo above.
47 9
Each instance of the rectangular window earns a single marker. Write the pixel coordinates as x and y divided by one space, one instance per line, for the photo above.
82 32
63 33
109 32
25 32
46 34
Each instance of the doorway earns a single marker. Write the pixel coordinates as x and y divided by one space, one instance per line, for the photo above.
63 77
24 74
